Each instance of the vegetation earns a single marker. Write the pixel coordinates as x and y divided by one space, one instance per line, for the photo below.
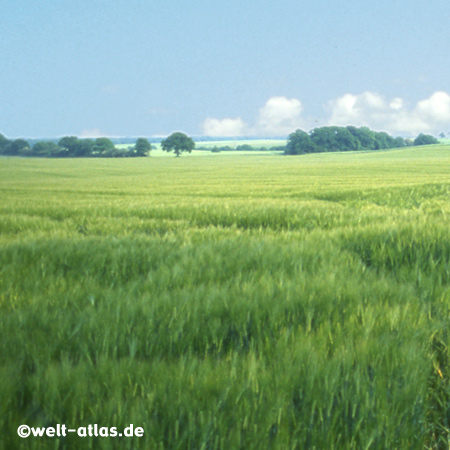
178 143
242 145
333 139
142 147
277 303
250 145
72 147
318 140
425 139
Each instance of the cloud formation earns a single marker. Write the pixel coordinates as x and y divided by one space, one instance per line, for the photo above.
373 110
224 127
281 116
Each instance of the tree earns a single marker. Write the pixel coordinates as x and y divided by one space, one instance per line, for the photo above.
345 141
364 136
298 143
425 139
45 149
178 142
103 146
17 147
383 140
245 148
72 146
84 147
142 147
400 142
69 144
4 144
333 139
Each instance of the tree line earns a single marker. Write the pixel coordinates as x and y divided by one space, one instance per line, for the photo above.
240 148
323 139
72 147
338 139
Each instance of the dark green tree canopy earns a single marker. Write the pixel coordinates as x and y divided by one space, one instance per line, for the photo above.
399 142
4 143
72 146
245 148
85 147
18 147
364 136
142 147
333 139
46 149
69 143
298 143
178 142
103 145
340 139
425 139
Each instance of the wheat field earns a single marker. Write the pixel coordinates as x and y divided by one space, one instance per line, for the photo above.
228 302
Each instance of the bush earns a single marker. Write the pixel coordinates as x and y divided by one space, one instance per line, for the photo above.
425 139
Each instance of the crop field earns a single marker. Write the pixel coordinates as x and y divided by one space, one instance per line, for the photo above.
231 302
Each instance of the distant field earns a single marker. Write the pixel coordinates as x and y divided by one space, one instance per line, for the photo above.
245 302
266 144
256 143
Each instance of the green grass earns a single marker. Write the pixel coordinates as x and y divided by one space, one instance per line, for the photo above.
242 302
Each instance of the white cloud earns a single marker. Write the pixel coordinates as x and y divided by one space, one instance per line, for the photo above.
372 110
357 110
436 108
396 104
279 116
224 127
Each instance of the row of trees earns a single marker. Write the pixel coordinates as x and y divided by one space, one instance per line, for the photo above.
71 146
338 139
324 139
240 148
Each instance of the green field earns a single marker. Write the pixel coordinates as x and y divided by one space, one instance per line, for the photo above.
230 302
256 143
261 146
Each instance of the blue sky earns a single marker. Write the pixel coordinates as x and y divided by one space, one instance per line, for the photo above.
254 67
